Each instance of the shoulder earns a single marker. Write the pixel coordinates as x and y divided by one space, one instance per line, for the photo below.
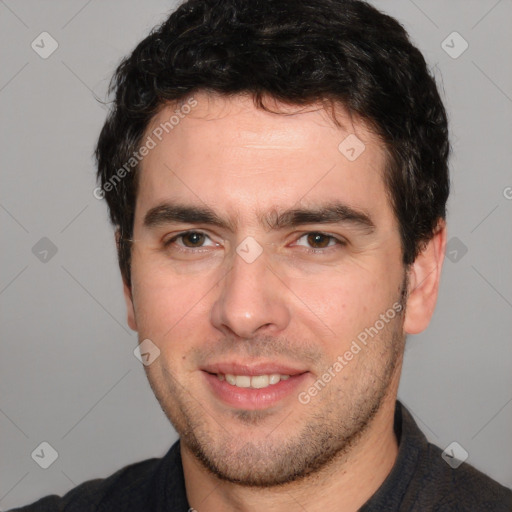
127 488
463 488
423 480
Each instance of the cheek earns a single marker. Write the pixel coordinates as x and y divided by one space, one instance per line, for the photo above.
165 305
340 305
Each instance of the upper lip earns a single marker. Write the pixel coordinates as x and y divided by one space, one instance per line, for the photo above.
262 368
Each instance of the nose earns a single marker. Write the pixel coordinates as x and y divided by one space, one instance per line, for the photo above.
252 300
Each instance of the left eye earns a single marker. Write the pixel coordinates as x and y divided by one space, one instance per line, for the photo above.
318 240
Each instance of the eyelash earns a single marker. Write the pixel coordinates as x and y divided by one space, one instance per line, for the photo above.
338 242
171 241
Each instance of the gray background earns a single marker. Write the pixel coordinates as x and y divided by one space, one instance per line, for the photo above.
68 373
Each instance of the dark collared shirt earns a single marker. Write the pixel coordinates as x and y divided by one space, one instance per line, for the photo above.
420 481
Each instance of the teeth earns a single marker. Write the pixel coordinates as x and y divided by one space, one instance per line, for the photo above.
243 381
255 382
259 381
275 378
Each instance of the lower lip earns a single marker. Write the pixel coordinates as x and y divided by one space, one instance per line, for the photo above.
250 398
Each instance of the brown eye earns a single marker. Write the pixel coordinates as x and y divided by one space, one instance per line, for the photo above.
193 239
319 240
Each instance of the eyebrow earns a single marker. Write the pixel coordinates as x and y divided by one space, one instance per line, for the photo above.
167 213
331 213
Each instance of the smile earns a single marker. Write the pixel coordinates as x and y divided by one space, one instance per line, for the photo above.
252 381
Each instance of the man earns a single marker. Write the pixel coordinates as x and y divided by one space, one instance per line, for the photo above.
277 173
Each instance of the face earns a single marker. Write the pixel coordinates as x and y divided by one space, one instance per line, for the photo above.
263 256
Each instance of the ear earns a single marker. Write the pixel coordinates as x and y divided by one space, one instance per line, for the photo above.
424 277
130 312
127 291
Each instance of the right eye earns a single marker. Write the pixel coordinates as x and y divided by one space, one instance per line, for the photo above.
190 240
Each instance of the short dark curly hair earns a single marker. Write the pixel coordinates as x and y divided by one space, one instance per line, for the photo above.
298 52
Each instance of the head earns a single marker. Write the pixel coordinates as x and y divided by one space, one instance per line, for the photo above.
277 177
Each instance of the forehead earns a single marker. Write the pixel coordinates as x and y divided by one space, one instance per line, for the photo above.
232 156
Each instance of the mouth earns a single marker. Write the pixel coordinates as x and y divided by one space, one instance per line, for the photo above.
254 381
253 386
